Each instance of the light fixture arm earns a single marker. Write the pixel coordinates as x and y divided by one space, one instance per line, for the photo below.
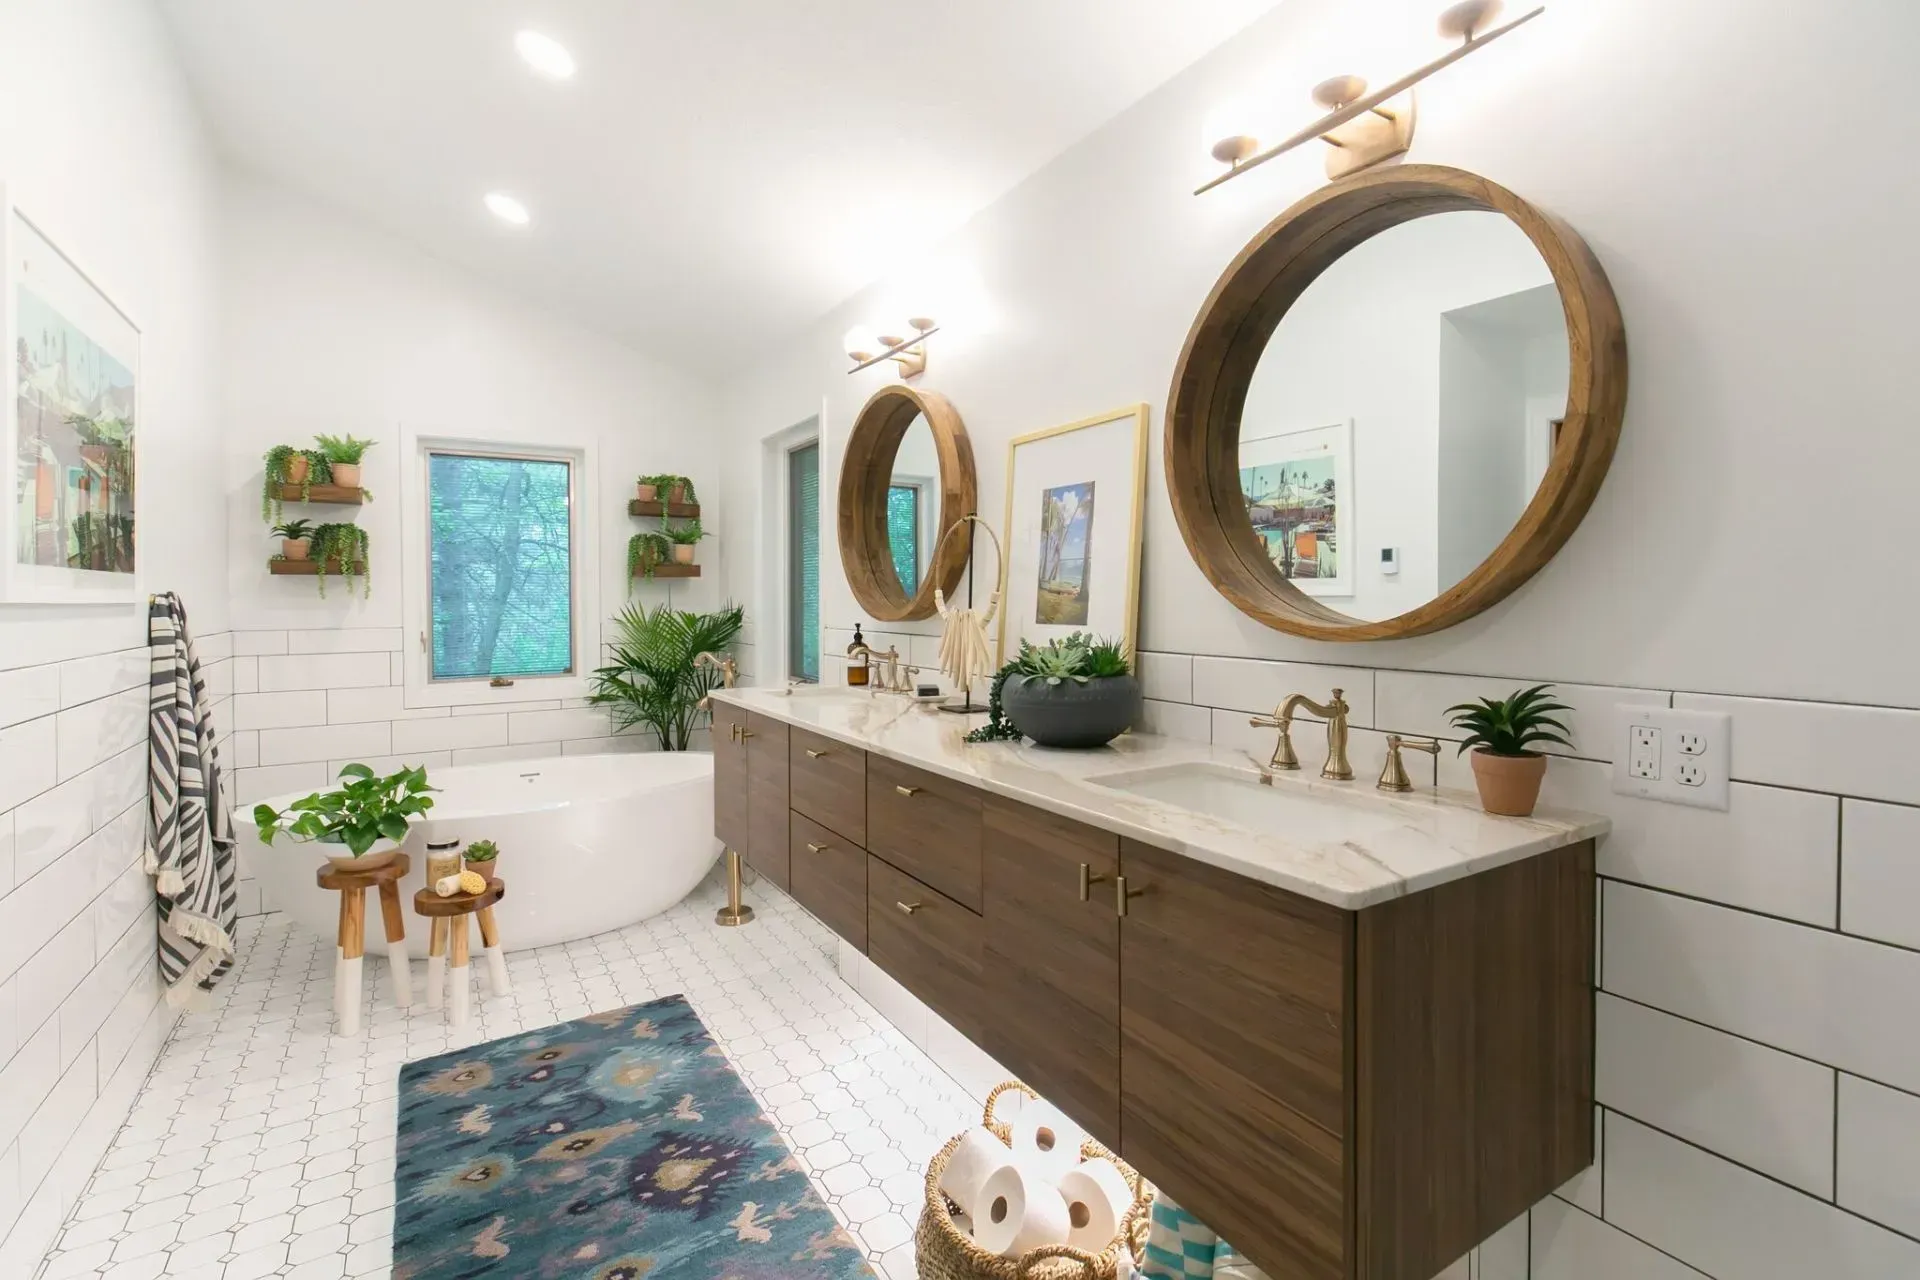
908 352
1341 115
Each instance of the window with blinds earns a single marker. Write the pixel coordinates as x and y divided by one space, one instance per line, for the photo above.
500 529
903 534
803 569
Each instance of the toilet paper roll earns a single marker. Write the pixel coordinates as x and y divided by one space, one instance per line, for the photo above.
1044 1140
977 1156
1018 1212
1097 1198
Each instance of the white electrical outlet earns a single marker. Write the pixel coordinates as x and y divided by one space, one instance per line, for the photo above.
1681 757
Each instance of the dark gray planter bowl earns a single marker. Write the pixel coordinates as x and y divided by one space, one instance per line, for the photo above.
1070 714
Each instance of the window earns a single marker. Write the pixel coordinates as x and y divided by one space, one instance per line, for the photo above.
501 543
903 534
803 562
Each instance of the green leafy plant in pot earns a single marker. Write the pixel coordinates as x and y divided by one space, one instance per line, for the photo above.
366 814
481 855
647 552
1502 733
343 458
654 679
684 538
1076 692
665 487
296 539
344 549
282 465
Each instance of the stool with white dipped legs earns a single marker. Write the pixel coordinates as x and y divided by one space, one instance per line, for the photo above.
350 944
448 952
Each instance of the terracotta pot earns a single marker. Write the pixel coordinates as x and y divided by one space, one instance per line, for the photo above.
382 852
298 467
647 492
683 553
679 498
295 548
346 474
1509 785
484 869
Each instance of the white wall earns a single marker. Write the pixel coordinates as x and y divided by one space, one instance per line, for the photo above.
99 144
1759 964
335 328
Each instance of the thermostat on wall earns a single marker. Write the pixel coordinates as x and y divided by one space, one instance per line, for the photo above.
1389 560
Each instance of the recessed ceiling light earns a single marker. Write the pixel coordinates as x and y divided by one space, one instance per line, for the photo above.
507 209
544 54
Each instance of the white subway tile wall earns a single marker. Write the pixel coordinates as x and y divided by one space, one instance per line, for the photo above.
1758 1058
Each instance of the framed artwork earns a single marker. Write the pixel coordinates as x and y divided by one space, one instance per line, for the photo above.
71 387
1074 498
1298 487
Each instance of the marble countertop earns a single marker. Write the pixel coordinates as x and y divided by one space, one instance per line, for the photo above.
1400 844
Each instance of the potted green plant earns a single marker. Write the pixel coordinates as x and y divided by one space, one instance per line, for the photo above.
343 549
481 856
666 487
296 539
366 814
1502 733
684 538
647 552
1076 692
284 465
343 455
654 679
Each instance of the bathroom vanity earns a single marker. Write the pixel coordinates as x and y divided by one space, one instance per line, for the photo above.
1352 1032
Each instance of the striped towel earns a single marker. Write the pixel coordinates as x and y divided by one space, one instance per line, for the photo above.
190 847
1179 1245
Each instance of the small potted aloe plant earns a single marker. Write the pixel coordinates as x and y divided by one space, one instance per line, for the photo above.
296 539
684 538
1076 692
366 816
343 455
1503 733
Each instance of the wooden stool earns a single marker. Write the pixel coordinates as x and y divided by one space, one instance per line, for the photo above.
449 933
352 941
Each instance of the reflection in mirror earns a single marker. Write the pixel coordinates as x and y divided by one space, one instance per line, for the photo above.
1404 412
913 504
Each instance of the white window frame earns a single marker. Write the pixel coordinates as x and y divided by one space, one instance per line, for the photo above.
416 548
769 661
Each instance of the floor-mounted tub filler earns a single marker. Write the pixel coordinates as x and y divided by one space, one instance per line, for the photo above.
587 843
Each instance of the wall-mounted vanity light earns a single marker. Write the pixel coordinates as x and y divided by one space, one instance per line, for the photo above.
1363 126
867 348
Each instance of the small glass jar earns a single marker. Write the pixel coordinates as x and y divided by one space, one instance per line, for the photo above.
443 859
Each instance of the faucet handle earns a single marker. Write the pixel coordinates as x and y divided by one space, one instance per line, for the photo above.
1393 775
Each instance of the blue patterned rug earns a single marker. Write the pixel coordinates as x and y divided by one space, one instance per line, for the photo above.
615 1147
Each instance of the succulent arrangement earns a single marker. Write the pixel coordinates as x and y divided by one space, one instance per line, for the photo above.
1077 660
364 809
481 851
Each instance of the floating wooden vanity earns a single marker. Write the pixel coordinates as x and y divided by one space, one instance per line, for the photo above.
1347 1070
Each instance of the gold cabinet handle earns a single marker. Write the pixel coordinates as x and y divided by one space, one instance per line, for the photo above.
1087 881
815 755
907 791
816 848
735 734
745 733
909 907
1121 894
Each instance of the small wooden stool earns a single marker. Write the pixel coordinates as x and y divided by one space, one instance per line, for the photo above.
449 932
352 940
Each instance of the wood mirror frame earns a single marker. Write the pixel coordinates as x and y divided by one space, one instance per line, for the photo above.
865 474
1246 307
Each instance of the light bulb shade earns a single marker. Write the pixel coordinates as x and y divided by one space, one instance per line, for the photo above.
507 209
1467 18
1228 135
544 54
860 343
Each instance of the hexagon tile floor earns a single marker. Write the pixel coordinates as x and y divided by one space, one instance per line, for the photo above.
262 1145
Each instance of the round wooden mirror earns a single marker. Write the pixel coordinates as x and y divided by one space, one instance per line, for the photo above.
1396 405
907 477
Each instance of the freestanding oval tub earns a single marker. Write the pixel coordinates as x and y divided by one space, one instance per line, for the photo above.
587 844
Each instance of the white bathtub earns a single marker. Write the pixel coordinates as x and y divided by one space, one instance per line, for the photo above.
587 844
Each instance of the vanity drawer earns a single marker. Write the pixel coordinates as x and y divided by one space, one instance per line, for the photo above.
829 784
928 942
829 878
927 826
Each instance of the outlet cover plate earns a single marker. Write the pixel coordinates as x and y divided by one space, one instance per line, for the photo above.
1680 757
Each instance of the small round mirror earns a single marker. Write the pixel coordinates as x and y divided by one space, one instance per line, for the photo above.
906 478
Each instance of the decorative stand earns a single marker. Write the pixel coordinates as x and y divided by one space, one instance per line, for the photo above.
352 938
449 932
735 912
964 653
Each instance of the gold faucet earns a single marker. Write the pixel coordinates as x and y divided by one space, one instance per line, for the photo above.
727 666
1393 775
1334 713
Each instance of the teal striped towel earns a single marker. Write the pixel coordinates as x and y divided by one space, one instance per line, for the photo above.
1179 1245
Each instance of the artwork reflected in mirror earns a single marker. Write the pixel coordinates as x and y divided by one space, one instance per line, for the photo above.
913 497
1405 411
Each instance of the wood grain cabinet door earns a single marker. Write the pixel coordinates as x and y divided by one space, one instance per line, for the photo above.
926 825
766 797
729 777
1050 963
829 878
830 784
1233 1035
927 942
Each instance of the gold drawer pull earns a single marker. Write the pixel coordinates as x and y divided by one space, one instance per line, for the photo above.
816 848
736 731
908 791
744 733
1087 881
812 754
1122 894
909 907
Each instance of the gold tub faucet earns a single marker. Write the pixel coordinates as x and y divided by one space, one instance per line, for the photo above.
1334 712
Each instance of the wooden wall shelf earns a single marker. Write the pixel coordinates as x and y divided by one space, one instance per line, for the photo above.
671 571
331 494
678 510
310 568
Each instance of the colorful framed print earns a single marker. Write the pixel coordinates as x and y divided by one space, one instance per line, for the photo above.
1073 522
71 389
1298 487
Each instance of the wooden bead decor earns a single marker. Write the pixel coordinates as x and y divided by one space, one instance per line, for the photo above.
1246 307
865 475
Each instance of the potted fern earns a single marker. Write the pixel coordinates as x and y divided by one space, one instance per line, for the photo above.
296 539
684 538
1076 692
1503 733
343 454
366 816
654 679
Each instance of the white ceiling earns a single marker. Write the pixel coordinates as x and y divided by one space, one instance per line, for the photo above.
719 171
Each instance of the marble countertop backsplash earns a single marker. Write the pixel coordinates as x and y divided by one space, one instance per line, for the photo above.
1401 843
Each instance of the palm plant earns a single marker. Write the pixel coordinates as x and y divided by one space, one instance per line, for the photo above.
1511 726
653 679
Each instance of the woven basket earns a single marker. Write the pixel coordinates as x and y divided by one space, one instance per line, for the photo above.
943 1252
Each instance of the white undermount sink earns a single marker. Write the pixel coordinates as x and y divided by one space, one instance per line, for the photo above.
1240 797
